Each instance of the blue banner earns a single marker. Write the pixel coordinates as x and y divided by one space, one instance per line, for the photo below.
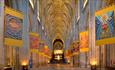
105 25
13 27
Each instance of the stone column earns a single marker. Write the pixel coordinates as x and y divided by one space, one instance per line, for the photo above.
1 33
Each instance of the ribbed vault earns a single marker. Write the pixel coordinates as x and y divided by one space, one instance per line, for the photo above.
57 17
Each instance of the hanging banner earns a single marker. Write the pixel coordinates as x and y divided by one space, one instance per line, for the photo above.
46 50
84 41
34 42
76 48
68 53
41 44
13 27
104 25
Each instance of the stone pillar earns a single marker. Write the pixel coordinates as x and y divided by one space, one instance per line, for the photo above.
24 50
1 33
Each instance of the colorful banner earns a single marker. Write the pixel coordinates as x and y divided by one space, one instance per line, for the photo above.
46 50
13 27
104 25
84 41
34 42
41 44
77 46
68 53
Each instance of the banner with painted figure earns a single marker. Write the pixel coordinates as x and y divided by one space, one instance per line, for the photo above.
13 27
84 41
34 42
76 46
46 50
104 25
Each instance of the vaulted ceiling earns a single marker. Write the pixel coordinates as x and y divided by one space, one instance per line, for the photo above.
56 17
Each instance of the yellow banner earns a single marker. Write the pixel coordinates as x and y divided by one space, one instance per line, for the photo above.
34 42
105 10
105 41
13 42
13 12
84 41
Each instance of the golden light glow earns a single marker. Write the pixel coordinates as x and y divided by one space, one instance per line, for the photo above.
68 61
58 51
48 61
24 63
58 57
94 62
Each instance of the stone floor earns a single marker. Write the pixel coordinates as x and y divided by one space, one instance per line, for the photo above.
59 67
62 67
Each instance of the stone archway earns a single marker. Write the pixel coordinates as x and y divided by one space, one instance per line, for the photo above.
58 52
